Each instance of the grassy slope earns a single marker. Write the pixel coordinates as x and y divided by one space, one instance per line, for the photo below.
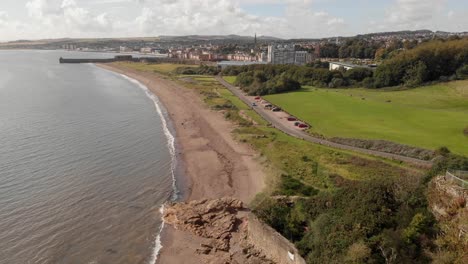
428 117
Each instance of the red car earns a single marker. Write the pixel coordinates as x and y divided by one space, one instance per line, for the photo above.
258 98
303 126
292 119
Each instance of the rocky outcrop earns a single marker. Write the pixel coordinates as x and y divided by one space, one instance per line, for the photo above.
222 223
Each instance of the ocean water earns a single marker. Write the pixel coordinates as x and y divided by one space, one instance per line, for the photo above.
86 162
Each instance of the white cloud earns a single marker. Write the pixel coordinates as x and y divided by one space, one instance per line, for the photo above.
299 18
178 17
414 14
64 18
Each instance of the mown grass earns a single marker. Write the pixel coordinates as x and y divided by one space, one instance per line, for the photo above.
428 117
230 79
287 157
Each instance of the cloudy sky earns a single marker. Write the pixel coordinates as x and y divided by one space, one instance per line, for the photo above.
36 19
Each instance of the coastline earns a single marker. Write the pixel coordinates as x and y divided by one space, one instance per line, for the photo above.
210 163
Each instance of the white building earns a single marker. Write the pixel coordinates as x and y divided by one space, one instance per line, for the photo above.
347 66
287 54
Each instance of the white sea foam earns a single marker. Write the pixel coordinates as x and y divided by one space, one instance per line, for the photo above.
171 145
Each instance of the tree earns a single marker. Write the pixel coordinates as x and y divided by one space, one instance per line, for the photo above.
416 75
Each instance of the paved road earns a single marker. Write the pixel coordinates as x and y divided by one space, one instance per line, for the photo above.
280 124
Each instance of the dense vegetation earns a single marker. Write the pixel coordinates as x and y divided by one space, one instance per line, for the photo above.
200 70
432 61
271 79
382 220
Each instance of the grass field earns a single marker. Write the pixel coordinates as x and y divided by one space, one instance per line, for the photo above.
164 68
230 79
428 117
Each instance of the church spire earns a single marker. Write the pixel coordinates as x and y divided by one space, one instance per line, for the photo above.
255 44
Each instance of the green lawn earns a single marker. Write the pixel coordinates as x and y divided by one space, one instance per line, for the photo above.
428 117
230 79
164 68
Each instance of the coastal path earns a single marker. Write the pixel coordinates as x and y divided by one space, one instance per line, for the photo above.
285 126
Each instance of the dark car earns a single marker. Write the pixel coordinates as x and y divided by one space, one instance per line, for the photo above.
297 123
303 126
292 119
276 109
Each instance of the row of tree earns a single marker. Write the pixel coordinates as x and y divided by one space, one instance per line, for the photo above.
270 79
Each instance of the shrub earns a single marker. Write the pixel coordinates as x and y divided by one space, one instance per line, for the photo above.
368 82
465 131
462 72
337 82
291 186
358 74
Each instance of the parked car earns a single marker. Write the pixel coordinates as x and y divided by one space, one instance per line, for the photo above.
268 105
254 104
303 126
258 98
297 123
276 109
292 119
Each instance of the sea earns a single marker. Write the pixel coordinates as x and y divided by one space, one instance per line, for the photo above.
87 160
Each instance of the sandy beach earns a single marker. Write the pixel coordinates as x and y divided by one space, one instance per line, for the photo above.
214 164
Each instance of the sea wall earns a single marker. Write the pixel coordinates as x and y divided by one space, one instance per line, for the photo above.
274 245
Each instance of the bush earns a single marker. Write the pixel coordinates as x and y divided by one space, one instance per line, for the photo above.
465 131
336 83
368 82
462 72
358 74
201 70
291 186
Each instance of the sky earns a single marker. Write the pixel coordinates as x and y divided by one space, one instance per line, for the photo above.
41 19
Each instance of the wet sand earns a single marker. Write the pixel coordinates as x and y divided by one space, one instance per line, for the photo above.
214 164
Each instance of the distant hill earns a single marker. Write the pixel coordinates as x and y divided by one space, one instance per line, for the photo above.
216 37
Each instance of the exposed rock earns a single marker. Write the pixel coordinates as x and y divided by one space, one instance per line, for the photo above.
222 222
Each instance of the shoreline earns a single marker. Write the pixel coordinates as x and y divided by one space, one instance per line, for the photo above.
210 163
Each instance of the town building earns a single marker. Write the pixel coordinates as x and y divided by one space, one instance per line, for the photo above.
287 54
